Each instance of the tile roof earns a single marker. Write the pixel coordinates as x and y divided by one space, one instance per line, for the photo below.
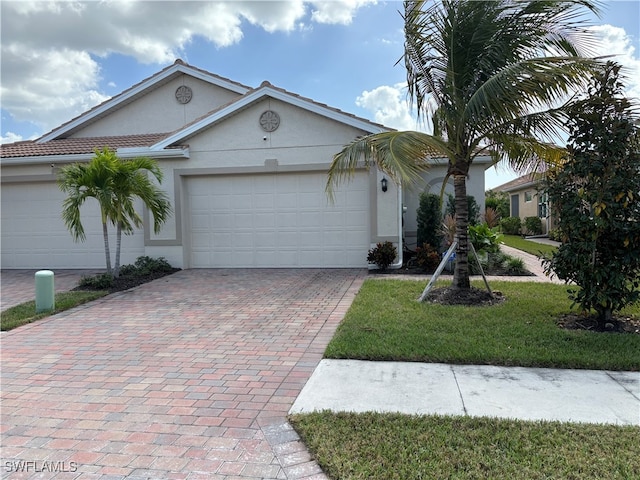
266 84
525 180
323 105
117 97
87 145
71 146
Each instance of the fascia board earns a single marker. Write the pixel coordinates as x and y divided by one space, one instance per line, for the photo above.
520 187
257 95
42 159
134 152
326 112
85 157
138 89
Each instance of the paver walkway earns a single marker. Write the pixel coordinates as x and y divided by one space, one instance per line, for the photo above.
186 377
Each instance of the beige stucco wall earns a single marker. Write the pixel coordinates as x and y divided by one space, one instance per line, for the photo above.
432 182
529 209
304 141
158 111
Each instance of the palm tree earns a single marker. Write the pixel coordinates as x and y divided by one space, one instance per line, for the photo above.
115 184
131 181
490 76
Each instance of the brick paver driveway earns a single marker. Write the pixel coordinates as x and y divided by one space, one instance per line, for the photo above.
190 376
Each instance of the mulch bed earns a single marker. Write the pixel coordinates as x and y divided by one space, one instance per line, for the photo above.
619 323
470 297
126 282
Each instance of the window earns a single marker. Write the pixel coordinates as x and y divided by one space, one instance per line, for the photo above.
528 196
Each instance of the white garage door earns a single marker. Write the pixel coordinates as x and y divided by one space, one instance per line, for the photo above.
35 237
277 220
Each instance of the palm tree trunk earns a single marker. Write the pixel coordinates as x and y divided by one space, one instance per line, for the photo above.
116 269
107 252
461 270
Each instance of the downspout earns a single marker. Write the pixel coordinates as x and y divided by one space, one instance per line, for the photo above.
399 263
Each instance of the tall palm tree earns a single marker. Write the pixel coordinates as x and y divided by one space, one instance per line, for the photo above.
115 184
490 76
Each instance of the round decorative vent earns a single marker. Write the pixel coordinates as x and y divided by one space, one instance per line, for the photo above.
269 121
183 94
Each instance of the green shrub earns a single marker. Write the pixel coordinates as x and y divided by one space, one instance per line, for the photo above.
484 238
555 234
427 257
128 270
516 266
102 281
146 266
595 194
483 257
382 255
533 225
511 225
429 219
499 201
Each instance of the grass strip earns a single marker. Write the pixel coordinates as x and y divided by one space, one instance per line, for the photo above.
25 312
540 250
373 446
385 322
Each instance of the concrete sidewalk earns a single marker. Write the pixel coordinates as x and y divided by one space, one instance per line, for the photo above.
588 396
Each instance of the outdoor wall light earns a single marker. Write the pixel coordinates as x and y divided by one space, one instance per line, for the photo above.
384 184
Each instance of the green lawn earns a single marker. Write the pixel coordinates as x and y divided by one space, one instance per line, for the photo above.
26 312
375 446
534 248
385 322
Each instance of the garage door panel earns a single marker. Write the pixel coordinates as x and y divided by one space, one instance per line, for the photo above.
35 236
278 220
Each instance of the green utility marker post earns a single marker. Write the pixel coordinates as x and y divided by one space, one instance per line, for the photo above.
45 291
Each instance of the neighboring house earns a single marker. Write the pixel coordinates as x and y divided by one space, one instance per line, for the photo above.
245 170
526 201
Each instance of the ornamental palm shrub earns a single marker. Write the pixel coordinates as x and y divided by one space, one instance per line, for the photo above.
427 257
382 255
491 217
115 183
597 196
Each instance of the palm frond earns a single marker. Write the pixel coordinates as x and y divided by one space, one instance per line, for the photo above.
400 155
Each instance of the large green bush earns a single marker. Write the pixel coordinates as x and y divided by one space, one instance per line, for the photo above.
472 207
597 197
499 201
484 238
511 225
429 220
533 225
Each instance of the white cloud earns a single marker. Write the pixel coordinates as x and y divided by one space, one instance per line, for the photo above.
615 41
51 50
337 11
10 137
389 106
48 87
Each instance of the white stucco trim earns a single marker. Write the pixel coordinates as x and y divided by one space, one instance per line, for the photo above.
268 92
127 96
133 152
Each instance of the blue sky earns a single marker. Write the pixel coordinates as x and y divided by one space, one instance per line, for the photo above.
61 58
